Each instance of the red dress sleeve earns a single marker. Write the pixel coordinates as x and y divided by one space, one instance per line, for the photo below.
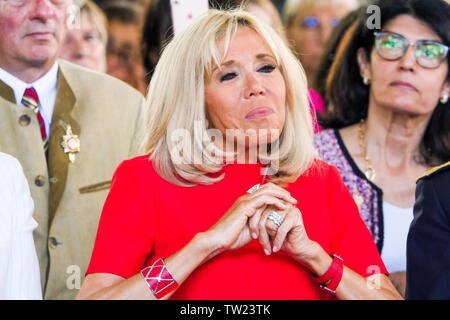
127 224
350 238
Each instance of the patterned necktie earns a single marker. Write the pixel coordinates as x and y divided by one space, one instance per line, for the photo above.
30 100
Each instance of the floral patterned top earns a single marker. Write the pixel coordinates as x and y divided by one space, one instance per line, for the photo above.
366 194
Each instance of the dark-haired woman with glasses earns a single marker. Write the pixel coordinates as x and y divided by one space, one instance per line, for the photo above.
389 118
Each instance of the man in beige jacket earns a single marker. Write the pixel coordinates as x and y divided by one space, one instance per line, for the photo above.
69 135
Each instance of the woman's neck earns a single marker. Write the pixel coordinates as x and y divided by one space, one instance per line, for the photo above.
393 137
392 141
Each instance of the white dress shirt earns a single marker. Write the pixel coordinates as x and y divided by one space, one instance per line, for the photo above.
19 266
46 87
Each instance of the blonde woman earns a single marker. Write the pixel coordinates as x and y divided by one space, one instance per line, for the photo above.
196 218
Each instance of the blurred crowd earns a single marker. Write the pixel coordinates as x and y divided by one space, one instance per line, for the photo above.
124 38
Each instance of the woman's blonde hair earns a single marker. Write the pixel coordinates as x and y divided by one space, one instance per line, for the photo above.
270 9
176 102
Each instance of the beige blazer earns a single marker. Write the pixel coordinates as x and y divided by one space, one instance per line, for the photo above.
106 114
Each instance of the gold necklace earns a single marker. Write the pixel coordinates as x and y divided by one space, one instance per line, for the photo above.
369 171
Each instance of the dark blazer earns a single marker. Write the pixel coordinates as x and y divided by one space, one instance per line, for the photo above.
428 246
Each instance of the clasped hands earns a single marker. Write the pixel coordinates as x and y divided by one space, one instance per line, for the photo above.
248 219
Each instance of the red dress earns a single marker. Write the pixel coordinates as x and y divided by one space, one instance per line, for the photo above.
145 218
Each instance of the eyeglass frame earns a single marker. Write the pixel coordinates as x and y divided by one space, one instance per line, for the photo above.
414 46
307 25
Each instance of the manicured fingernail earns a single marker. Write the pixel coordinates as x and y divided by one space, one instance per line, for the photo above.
267 252
254 235
275 249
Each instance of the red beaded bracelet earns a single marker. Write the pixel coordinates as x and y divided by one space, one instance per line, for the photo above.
159 279
331 279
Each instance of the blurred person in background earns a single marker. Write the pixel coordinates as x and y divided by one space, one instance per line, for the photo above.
308 26
124 60
390 115
334 50
85 43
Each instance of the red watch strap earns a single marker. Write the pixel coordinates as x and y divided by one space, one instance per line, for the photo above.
336 279
326 277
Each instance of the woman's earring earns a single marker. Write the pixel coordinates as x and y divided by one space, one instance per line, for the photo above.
366 80
444 99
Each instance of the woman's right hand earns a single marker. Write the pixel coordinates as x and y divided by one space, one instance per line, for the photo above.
232 231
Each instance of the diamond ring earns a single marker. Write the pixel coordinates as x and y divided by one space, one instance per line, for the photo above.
276 218
254 188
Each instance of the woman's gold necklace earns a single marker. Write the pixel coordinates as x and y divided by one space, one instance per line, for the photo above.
369 171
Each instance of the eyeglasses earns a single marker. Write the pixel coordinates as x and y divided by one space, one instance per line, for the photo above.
314 22
392 46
